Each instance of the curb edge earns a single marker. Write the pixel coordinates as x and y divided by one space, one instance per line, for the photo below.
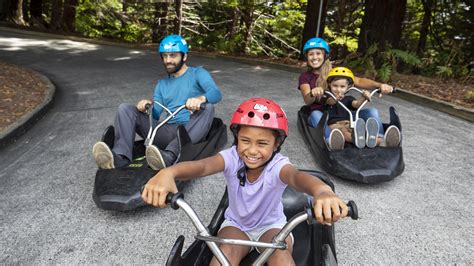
19 127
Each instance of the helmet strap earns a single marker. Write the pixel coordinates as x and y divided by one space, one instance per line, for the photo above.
242 172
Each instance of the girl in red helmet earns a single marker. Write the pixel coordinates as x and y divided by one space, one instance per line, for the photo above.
256 176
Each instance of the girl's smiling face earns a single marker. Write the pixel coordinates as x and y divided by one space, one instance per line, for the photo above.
315 58
255 145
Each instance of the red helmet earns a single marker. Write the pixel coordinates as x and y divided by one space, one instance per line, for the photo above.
260 112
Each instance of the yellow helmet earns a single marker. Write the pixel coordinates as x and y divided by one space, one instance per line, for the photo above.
340 72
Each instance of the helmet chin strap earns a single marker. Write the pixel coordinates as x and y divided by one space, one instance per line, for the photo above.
242 172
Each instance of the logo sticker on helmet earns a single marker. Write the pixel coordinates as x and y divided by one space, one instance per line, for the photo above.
260 107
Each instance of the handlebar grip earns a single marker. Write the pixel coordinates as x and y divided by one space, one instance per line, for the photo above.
353 212
147 106
202 106
395 89
172 198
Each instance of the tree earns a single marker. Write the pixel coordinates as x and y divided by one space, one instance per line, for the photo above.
36 12
425 24
382 23
311 22
248 17
13 11
159 21
56 13
69 15
179 13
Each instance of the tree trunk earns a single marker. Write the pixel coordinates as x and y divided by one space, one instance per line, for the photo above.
36 12
56 13
178 5
69 15
14 11
382 23
124 13
425 25
160 22
311 22
234 17
26 9
248 18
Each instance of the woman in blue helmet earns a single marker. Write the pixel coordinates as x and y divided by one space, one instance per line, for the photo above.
312 83
183 85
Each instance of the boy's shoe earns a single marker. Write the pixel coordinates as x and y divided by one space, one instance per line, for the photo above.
358 133
392 137
154 158
372 130
336 140
103 156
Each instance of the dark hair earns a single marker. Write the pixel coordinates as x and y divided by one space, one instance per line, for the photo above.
336 78
279 136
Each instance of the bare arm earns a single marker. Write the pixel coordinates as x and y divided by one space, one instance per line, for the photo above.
163 182
369 84
365 96
328 207
311 95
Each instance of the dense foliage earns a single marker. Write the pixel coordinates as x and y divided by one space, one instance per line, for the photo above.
437 36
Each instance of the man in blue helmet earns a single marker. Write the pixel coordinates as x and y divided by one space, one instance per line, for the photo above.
184 84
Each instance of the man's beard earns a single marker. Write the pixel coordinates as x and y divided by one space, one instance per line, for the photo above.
175 68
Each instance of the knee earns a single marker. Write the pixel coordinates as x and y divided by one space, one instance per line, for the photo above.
281 257
209 109
126 108
371 112
232 254
314 118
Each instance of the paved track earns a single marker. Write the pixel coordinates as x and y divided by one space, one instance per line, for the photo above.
47 216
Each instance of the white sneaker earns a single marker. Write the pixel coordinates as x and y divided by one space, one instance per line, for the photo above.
336 140
154 158
103 155
392 137
372 131
358 133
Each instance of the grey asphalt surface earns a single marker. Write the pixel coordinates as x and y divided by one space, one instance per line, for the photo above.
424 216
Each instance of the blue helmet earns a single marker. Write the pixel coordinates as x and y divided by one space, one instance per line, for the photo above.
173 44
318 43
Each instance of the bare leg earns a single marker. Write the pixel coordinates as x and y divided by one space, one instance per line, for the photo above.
279 257
347 134
234 253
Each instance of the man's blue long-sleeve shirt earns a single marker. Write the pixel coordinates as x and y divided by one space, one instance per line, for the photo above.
173 92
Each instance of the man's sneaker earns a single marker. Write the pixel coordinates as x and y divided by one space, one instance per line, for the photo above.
103 155
358 133
372 130
154 158
392 137
336 140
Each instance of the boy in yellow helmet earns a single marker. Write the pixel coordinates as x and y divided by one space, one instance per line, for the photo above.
364 133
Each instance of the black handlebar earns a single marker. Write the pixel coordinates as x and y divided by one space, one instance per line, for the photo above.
172 199
352 212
